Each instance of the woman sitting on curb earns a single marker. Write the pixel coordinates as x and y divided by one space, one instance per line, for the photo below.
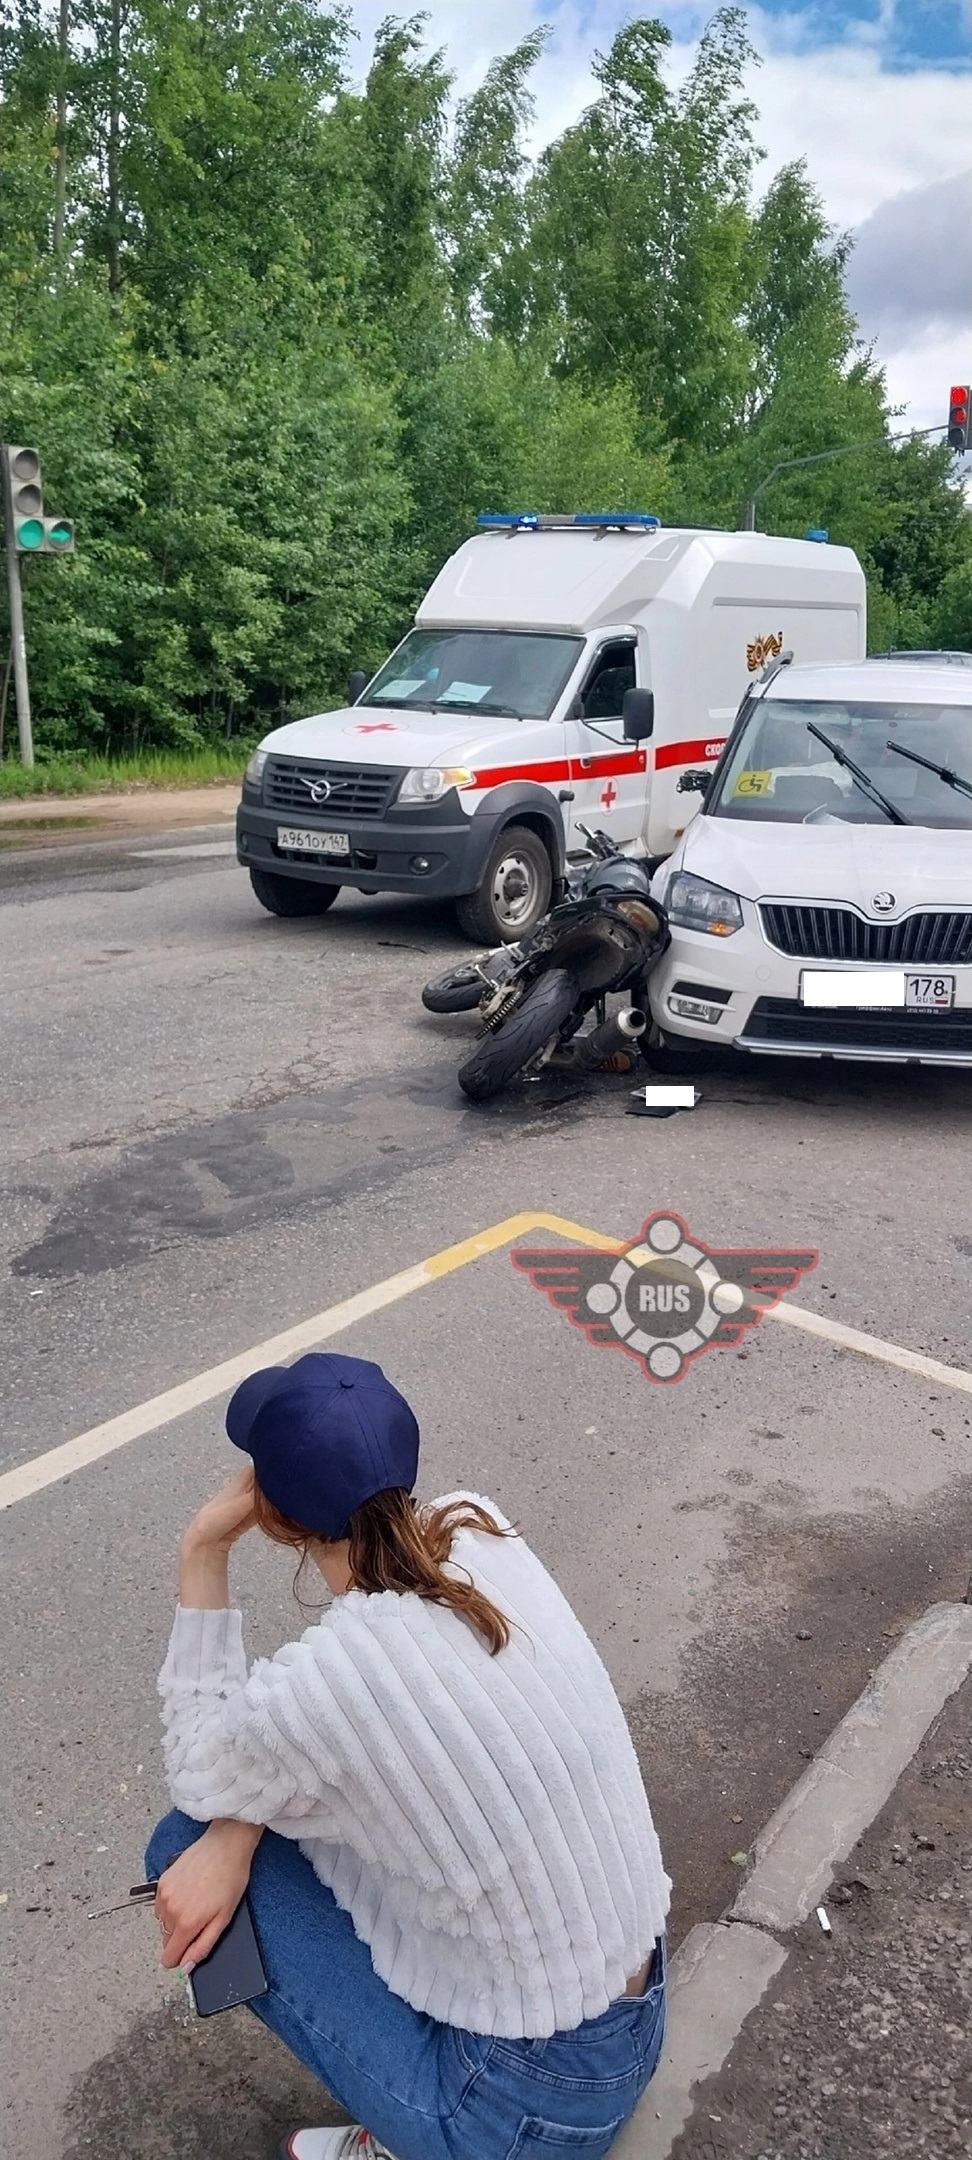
432 1800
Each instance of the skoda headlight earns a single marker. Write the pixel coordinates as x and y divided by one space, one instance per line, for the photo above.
694 904
253 776
428 783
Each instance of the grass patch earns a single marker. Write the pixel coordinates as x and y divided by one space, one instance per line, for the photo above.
77 775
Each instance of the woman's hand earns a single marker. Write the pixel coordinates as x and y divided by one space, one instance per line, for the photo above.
225 1518
198 1895
206 1546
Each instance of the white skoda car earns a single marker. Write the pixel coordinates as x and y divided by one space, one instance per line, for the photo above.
821 901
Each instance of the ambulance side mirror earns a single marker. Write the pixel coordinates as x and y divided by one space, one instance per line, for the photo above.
638 713
357 685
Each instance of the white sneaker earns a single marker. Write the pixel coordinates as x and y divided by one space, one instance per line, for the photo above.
346 2144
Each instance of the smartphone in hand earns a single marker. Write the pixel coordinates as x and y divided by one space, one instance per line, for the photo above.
233 1972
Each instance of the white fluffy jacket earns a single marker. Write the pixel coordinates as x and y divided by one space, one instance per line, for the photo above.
482 1819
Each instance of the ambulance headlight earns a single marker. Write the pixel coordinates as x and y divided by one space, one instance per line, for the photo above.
694 904
428 783
253 776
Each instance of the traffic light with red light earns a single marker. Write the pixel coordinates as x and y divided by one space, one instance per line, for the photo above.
958 418
33 533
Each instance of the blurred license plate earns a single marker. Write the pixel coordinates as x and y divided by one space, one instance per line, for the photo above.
878 988
313 843
930 992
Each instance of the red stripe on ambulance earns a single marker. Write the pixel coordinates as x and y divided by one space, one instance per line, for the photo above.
689 753
552 770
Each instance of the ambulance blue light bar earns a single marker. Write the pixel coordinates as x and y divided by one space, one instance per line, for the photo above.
510 520
589 520
643 519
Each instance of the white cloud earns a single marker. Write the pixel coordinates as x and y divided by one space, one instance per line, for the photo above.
867 134
909 273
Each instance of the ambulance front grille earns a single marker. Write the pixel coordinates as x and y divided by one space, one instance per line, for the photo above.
322 791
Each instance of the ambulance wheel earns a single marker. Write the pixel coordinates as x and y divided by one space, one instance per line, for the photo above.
498 1058
290 895
515 892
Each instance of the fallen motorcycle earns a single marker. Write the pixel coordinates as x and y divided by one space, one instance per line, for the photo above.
603 938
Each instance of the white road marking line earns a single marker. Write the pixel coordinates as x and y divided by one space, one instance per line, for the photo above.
88 1447
847 1338
199 848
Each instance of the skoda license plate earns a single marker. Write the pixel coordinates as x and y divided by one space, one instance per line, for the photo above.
313 843
930 993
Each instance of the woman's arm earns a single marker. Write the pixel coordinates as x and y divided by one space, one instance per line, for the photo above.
229 1736
208 1542
198 1895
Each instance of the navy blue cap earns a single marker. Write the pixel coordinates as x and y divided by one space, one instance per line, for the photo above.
325 1435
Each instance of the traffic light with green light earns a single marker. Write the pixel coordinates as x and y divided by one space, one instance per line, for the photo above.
33 532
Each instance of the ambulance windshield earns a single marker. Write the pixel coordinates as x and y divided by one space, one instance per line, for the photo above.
513 672
780 772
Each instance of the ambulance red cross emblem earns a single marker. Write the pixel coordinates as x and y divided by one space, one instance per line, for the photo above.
610 795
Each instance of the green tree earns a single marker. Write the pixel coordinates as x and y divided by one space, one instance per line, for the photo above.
639 228
484 199
280 340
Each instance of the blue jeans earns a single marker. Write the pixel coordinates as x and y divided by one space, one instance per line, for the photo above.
428 2091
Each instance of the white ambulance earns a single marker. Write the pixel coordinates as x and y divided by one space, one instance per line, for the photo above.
561 672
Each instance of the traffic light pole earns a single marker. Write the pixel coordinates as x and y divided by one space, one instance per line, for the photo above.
790 465
18 645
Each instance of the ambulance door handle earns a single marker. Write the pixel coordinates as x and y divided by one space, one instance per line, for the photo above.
566 795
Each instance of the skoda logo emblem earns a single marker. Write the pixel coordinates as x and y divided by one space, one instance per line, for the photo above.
884 902
319 790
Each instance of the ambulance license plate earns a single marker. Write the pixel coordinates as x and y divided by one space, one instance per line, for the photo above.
313 843
930 993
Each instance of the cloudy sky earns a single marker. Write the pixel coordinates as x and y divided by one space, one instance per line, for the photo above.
875 94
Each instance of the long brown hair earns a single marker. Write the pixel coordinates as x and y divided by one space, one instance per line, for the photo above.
394 1545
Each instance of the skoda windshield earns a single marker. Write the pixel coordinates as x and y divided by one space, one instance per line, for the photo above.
520 674
794 764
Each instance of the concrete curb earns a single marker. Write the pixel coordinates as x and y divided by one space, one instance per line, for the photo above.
721 1971
855 1773
718 1976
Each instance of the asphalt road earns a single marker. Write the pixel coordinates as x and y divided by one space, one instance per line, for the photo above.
216 1124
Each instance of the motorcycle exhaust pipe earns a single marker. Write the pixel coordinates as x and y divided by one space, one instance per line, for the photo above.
619 1033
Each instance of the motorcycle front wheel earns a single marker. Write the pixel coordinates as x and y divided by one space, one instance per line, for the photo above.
458 990
498 1058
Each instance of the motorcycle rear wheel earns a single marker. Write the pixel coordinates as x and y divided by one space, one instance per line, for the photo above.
460 989
498 1058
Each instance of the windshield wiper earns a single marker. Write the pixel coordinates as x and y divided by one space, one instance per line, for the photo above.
864 782
951 779
505 712
381 704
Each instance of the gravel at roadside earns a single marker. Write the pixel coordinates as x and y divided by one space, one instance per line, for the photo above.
862 2049
139 806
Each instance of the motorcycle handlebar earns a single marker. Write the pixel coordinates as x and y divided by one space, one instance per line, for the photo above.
601 842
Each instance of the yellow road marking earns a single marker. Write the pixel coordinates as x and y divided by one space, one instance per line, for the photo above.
101 1440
